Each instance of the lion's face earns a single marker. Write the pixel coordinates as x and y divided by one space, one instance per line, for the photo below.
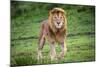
58 19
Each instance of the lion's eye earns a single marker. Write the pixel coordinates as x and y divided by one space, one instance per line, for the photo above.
60 17
55 17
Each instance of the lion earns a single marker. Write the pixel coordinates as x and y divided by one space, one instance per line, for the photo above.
54 31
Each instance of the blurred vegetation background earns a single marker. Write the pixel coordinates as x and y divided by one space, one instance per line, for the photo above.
25 26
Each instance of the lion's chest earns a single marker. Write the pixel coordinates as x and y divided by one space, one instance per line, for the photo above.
58 37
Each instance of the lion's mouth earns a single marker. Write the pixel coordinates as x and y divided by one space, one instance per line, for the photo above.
58 25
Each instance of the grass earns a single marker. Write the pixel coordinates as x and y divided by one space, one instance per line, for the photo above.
80 48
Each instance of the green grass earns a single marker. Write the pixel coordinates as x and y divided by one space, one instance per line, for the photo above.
80 48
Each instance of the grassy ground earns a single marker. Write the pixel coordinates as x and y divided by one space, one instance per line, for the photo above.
80 48
25 31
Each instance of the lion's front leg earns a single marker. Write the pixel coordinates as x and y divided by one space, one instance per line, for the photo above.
53 51
63 50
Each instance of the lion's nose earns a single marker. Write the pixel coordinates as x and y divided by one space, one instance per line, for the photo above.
58 23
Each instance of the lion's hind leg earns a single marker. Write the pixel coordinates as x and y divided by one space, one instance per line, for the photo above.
40 47
41 42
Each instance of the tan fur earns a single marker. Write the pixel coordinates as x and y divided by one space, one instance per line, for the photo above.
53 34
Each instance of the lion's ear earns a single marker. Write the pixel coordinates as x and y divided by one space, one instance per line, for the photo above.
51 12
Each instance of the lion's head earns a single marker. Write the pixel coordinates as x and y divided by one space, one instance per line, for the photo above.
57 19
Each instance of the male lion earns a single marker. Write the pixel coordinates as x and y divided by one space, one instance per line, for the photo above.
54 30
